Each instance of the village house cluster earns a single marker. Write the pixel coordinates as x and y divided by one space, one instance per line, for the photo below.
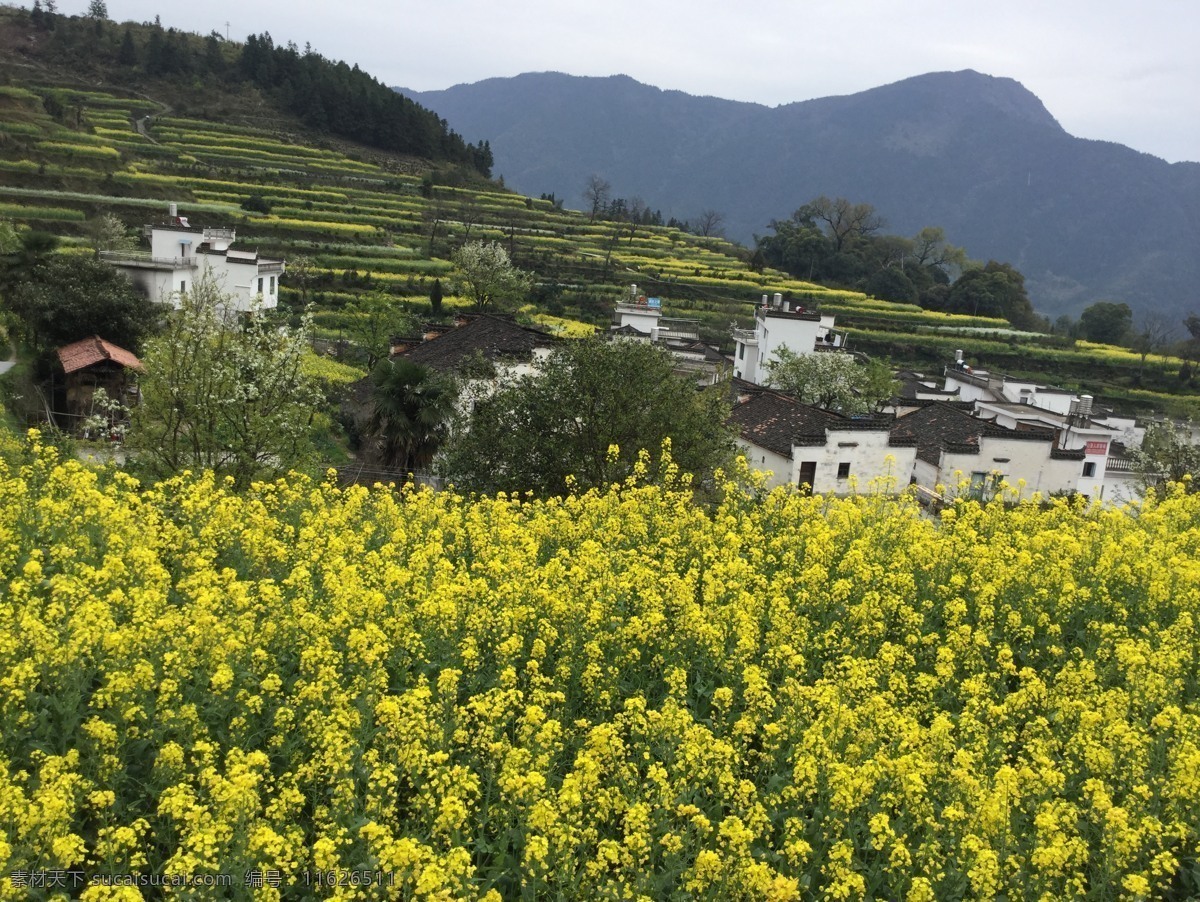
961 430
966 431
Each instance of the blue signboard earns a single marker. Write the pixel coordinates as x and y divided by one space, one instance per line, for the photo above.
654 302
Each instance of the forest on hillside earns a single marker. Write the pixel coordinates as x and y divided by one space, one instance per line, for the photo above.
326 95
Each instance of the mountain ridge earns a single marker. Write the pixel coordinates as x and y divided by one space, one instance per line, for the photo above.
977 154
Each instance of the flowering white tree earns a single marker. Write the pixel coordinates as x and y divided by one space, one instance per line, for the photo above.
223 391
487 276
831 380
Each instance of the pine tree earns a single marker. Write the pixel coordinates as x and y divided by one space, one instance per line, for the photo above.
435 298
127 55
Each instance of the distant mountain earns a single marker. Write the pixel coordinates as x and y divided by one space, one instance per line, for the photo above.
978 155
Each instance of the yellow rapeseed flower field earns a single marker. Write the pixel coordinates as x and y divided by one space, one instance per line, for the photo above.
620 695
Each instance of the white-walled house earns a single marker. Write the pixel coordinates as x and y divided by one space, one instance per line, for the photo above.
955 448
799 445
640 319
512 351
780 324
180 256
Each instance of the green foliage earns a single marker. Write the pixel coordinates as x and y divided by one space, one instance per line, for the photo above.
892 284
833 380
107 232
581 421
837 242
407 417
66 298
1106 322
256 203
224 392
373 322
996 289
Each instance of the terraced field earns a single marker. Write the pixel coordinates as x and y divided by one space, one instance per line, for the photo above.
368 222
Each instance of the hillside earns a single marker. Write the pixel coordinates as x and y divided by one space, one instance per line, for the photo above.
977 155
353 220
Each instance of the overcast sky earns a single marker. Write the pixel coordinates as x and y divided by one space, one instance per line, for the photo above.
1106 69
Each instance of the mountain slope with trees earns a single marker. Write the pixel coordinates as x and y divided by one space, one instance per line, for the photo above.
374 239
328 96
977 155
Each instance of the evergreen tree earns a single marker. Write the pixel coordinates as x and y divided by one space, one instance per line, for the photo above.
127 55
214 56
155 53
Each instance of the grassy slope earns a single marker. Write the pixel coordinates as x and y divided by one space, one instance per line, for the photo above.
369 221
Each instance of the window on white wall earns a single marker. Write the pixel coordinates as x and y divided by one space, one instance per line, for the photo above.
260 286
844 470
1089 468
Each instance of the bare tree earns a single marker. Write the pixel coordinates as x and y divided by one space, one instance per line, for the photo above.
1150 336
470 214
710 224
930 248
596 193
433 218
637 212
845 220
1191 345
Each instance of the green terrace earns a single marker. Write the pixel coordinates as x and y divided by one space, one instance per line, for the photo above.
365 226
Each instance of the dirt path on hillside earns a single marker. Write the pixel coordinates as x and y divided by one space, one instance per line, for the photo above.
142 125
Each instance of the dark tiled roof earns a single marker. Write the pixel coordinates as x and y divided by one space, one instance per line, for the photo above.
627 330
779 313
497 338
90 351
946 424
936 425
911 386
776 422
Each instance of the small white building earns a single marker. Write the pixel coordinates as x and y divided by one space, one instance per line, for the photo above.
781 324
180 256
803 446
640 319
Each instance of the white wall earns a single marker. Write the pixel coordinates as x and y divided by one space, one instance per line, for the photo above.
745 361
874 465
797 335
871 460
779 468
967 391
1014 460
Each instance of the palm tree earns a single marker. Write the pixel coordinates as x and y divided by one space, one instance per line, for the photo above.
407 416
